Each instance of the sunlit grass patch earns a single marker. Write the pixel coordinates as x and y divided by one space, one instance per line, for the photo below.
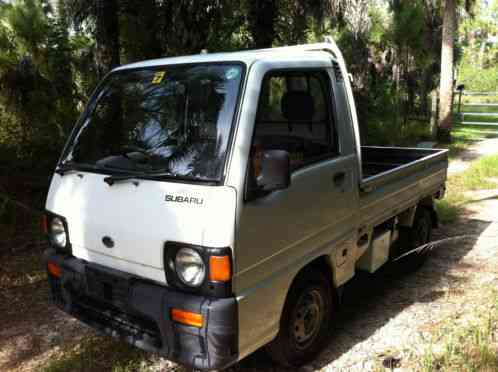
479 176
473 108
481 118
464 136
469 345
468 100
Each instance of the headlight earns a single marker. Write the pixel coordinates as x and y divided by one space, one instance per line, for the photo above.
58 235
190 267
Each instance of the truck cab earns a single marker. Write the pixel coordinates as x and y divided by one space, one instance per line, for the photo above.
205 206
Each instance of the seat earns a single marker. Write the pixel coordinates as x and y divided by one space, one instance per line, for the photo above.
297 106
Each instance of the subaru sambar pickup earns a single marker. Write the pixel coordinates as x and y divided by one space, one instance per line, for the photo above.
208 205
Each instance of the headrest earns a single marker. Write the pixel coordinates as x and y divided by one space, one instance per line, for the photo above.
297 105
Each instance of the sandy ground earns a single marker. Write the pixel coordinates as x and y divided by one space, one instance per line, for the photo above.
481 148
388 315
384 315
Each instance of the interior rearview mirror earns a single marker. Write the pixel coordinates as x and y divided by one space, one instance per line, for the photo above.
275 171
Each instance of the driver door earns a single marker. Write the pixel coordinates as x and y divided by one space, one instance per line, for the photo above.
296 114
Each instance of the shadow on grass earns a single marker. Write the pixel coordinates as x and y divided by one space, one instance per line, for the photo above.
370 301
97 353
465 136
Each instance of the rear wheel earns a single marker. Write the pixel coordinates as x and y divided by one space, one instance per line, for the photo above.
305 320
411 238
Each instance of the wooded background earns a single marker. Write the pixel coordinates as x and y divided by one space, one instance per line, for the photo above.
53 53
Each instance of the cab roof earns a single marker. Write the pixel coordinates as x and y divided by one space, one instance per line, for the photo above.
248 57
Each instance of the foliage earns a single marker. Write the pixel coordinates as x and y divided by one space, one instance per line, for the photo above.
53 53
481 175
36 97
478 80
478 67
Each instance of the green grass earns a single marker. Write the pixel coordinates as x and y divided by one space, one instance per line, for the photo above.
479 176
468 345
390 133
470 108
98 353
478 99
464 136
448 210
481 118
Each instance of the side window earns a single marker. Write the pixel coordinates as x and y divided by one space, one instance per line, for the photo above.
294 114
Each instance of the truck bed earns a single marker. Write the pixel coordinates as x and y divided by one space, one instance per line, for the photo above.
396 178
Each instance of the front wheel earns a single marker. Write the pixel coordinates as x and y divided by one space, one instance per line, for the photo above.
305 321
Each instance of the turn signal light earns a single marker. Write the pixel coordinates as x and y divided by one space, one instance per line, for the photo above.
187 318
219 269
54 269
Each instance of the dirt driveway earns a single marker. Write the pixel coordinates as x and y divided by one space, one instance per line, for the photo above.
385 315
390 315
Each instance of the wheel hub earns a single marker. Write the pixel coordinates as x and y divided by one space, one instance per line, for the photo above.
307 318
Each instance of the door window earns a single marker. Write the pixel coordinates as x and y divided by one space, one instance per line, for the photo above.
295 115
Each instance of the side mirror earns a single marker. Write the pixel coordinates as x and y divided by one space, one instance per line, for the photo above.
275 171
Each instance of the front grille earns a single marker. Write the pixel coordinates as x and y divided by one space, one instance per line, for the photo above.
112 319
107 287
103 308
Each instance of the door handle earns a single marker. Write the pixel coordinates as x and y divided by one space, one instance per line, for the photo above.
339 178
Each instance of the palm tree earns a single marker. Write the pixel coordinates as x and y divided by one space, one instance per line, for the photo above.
101 17
447 67
262 15
37 87
107 35
446 82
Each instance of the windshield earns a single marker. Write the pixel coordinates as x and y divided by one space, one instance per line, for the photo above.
174 119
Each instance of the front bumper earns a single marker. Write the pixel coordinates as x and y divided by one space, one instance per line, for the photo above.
138 311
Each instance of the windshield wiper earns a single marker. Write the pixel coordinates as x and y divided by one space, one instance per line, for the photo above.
111 180
65 168
71 166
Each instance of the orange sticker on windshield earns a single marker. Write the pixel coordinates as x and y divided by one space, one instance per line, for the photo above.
158 77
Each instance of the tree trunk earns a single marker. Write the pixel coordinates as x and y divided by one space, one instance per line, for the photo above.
107 36
139 30
425 93
261 17
446 83
298 23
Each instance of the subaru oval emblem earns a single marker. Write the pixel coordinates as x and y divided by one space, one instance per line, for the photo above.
108 242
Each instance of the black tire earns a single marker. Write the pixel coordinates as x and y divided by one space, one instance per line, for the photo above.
305 321
414 237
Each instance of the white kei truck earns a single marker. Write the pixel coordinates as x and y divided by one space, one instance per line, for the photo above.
206 206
